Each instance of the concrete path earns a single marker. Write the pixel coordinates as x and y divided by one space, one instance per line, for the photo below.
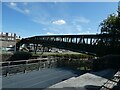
37 79
87 81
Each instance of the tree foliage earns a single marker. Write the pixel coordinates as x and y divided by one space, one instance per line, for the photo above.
111 25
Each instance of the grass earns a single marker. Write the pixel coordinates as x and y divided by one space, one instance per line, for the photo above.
65 54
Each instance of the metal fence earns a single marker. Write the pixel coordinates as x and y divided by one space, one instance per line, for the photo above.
28 66
24 66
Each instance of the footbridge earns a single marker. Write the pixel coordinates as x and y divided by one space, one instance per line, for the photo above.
97 44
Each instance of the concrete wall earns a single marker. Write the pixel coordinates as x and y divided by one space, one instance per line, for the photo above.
8 43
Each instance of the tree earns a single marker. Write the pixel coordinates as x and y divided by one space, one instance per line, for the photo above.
111 25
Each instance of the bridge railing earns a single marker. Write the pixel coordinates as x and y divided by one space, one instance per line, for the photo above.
79 39
111 83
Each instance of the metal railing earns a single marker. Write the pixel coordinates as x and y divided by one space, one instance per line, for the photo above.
23 66
109 85
27 66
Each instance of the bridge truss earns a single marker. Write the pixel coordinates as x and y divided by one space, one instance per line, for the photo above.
99 44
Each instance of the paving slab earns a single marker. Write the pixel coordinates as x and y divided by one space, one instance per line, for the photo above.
87 80
37 79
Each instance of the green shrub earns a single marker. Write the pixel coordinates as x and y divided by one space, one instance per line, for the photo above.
105 62
20 56
5 56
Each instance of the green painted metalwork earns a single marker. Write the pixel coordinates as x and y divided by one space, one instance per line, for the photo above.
98 44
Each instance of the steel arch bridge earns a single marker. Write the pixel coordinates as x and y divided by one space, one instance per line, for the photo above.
97 44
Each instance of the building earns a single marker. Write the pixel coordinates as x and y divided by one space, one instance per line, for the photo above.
8 41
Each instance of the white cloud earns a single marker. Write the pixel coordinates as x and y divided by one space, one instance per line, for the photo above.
89 29
58 26
25 3
13 4
63 0
82 33
64 30
40 20
41 17
16 7
80 20
59 22
49 33
27 11
78 28
84 20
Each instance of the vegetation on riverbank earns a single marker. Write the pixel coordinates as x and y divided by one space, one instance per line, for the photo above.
66 55
27 55
76 61
15 56
72 60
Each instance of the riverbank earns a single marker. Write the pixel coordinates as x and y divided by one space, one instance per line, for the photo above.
27 55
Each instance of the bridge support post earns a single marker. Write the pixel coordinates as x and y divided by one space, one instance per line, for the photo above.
76 40
71 40
87 41
35 48
90 41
